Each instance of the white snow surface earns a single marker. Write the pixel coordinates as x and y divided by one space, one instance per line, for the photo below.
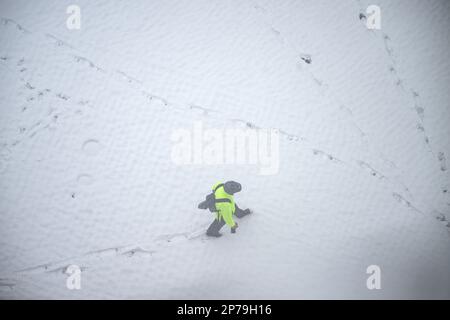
86 176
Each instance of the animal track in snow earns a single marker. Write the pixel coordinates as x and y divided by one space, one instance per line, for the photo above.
203 110
245 123
324 87
443 161
128 78
29 86
326 156
405 202
62 96
251 125
441 217
83 102
58 42
88 62
372 171
6 22
290 137
419 109
152 98
389 50
306 58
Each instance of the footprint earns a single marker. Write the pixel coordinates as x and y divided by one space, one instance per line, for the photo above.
58 42
83 102
88 62
160 100
91 147
245 124
420 127
202 110
29 86
306 58
7 21
128 78
137 250
289 136
62 96
85 179
371 170
441 217
400 199
325 155
442 161
275 31
420 111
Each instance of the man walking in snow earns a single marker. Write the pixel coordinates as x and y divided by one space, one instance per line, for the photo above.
221 201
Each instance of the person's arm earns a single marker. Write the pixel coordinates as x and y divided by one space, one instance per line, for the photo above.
228 216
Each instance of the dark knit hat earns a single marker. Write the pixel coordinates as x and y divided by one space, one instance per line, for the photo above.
231 187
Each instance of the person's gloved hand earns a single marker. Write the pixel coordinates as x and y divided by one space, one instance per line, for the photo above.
233 229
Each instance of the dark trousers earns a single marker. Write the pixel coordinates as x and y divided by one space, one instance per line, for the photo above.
217 224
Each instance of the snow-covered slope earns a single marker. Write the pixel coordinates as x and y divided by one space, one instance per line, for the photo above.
86 176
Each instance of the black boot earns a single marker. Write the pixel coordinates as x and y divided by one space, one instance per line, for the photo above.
214 228
215 235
